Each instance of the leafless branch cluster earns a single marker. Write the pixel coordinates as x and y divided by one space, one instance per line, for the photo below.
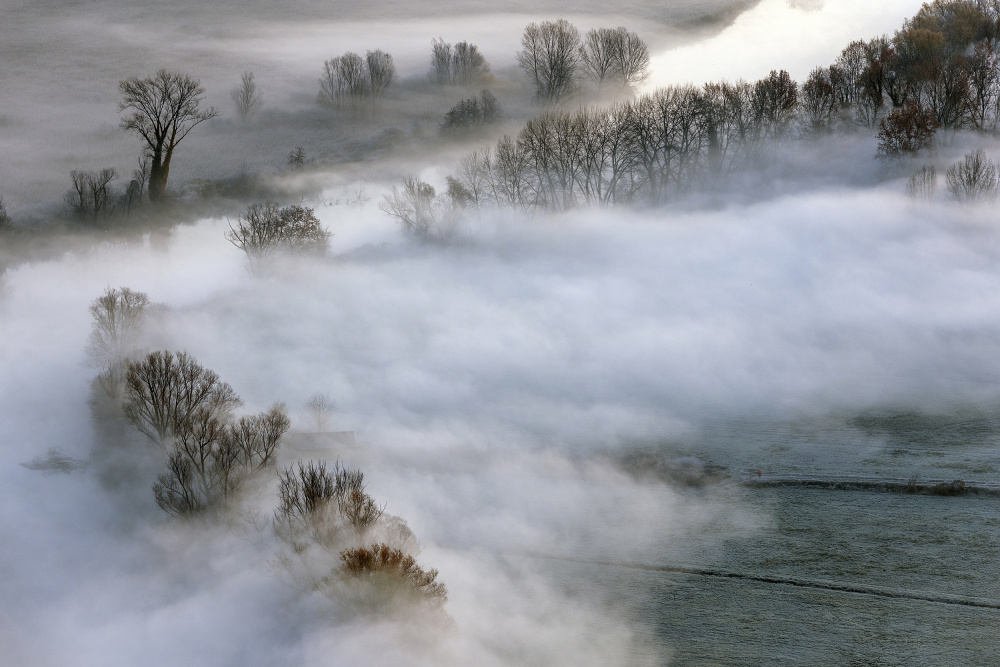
325 518
974 179
246 97
164 393
349 79
267 229
461 65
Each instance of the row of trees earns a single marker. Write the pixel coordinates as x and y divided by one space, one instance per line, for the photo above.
350 79
942 63
92 196
643 150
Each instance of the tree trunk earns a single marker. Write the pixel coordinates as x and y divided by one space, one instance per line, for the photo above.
157 178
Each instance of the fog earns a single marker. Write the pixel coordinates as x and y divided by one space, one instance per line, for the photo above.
497 380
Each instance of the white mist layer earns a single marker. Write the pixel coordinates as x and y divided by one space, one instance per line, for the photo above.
794 35
487 378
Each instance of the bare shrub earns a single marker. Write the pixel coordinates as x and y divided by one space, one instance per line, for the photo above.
309 504
247 97
266 230
381 72
393 576
923 184
973 179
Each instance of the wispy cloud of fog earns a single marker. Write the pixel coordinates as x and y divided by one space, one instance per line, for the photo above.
488 380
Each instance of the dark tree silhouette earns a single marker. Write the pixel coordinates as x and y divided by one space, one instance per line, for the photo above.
162 110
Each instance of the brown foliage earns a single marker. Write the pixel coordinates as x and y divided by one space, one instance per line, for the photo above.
906 130
381 562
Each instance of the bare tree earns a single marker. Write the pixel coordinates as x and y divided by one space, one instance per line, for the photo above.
297 158
265 230
973 179
320 406
441 61
415 206
164 393
162 110
117 316
344 78
246 97
381 72
212 458
923 184
468 65
549 57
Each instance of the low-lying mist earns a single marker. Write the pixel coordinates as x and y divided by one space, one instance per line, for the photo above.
493 382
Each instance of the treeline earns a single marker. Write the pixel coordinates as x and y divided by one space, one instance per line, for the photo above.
940 70
644 150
